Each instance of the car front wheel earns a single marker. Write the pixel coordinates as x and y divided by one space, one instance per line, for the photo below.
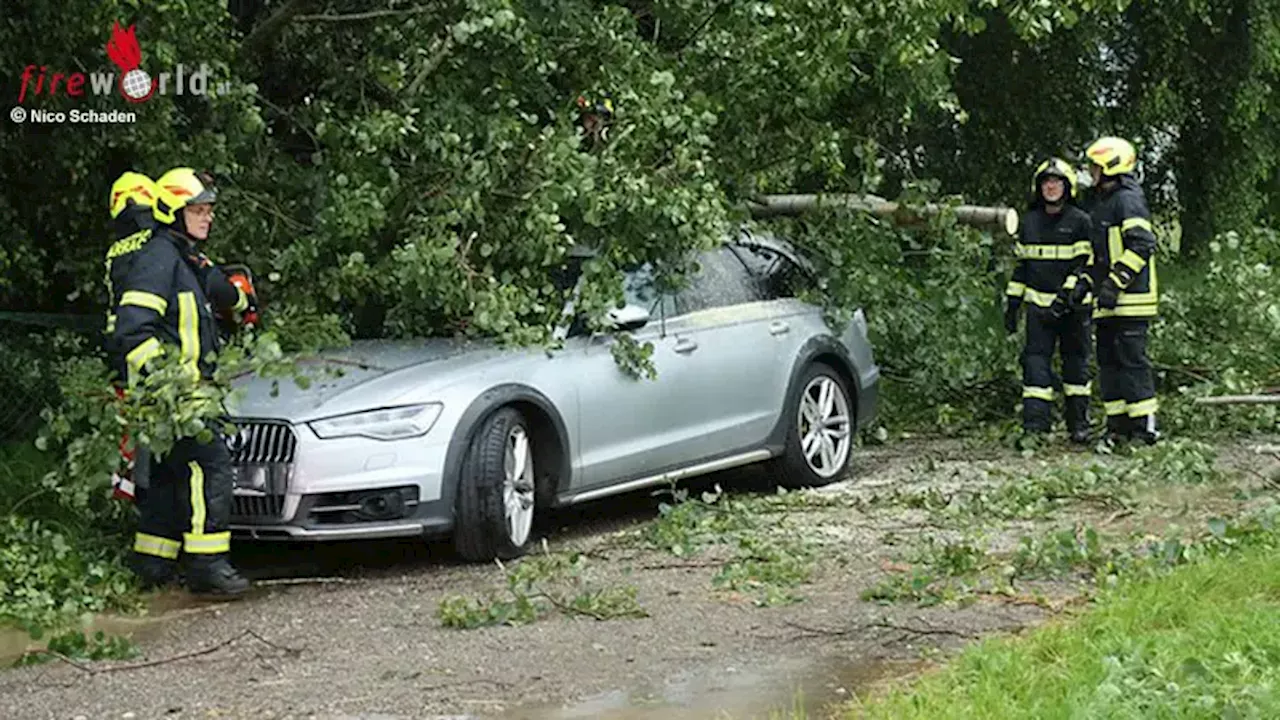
496 490
819 447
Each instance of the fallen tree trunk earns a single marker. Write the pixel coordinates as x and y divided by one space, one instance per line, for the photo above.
999 219
1239 400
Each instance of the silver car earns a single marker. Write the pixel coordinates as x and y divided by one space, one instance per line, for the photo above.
450 437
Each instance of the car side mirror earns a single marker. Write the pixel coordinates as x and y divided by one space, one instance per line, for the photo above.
630 317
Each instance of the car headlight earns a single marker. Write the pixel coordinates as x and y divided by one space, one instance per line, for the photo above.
395 423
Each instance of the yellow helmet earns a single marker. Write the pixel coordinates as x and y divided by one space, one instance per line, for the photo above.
181 187
1056 167
132 186
1114 155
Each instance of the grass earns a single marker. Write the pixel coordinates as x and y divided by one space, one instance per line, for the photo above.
1200 641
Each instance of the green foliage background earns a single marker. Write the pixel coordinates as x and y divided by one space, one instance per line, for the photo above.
413 168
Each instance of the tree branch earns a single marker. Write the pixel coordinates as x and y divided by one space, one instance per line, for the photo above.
354 17
273 26
443 47
164 661
703 25
878 625
1239 400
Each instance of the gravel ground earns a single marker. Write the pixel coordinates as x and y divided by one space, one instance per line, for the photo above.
365 641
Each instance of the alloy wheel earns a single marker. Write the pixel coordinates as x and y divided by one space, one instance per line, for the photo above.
825 433
517 489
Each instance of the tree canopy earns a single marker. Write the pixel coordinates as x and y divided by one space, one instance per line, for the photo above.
413 168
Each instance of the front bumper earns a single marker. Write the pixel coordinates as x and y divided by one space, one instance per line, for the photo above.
293 486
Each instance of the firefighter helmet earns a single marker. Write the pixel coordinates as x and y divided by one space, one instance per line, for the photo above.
602 105
1056 167
179 188
132 188
1115 156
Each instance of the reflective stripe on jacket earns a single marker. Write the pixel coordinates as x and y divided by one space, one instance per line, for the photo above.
1052 249
1123 234
159 306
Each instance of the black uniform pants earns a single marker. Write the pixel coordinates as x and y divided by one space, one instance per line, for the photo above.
1124 373
187 506
1071 334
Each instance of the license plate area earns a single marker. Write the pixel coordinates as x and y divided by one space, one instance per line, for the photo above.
261 478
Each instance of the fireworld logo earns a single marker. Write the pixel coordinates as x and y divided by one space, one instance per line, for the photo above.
134 84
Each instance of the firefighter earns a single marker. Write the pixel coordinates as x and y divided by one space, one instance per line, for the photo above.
130 204
596 117
1052 250
1124 282
132 219
163 309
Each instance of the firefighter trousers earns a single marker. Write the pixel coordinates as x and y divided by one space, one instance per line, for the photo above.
1124 374
187 507
1044 334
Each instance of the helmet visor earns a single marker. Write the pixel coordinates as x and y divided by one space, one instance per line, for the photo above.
207 195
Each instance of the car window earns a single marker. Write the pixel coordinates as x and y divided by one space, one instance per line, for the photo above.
639 287
722 280
776 276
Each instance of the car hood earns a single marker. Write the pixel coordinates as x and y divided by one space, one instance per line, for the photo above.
363 375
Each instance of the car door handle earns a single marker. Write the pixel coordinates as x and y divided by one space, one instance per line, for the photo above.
686 345
779 327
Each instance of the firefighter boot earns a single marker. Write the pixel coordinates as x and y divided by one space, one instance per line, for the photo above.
1077 412
214 575
1119 430
1144 429
154 572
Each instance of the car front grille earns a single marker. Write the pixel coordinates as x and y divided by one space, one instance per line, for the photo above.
264 443
263 453
257 508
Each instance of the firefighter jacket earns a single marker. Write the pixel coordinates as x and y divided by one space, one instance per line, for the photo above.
160 304
1124 246
1053 249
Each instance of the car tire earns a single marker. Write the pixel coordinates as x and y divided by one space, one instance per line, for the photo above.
794 468
490 493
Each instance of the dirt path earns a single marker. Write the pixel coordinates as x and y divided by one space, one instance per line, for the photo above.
720 635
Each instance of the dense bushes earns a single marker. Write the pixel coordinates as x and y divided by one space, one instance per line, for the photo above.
60 541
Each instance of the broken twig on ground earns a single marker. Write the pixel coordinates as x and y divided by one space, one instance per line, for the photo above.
1240 400
879 625
164 661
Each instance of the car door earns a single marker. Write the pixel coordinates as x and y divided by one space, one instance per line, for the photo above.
743 342
633 427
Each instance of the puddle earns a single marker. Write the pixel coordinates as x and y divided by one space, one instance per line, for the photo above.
162 608
799 689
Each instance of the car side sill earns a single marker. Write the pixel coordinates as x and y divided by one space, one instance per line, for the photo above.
293 532
663 478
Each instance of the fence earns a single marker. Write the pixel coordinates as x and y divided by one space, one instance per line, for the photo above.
31 346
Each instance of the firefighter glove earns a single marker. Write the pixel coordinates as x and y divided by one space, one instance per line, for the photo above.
1123 274
1011 315
1078 293
1061 305
1108 293
241 277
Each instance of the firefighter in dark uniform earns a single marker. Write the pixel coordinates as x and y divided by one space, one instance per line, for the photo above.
1126 288
162 308
132 219
1052 251
131 200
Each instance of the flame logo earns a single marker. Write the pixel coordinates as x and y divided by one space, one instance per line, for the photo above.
135 84
123 48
